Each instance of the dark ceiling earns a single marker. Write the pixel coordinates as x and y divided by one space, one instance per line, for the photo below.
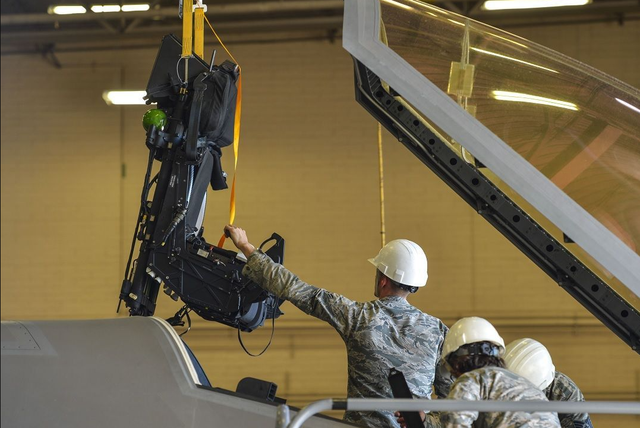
27 27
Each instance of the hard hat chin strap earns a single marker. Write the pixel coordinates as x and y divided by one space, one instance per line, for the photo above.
478 348
403 287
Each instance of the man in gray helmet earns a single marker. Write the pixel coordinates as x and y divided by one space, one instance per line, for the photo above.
379 335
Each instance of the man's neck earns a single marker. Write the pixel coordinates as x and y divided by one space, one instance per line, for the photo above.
404 296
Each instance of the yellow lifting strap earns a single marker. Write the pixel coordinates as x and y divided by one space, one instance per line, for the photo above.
187 29
236 135
198 34
195 45
192 30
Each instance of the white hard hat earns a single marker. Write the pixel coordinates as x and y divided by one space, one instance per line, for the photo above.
531 360
470 330
404 262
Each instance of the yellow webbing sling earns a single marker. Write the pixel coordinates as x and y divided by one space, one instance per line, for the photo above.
236 136
187 30
198 32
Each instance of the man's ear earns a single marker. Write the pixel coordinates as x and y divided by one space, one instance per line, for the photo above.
383 281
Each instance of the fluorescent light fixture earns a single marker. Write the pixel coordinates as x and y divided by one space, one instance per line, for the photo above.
100 8
532 99
530 4
512 59
124 98
66 9
135 7
105 8
626 104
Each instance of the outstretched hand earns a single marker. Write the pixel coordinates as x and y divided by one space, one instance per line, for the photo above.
239 238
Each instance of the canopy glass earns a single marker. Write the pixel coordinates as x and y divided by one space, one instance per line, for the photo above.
560 138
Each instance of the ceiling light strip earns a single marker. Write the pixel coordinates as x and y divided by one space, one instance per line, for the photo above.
530 4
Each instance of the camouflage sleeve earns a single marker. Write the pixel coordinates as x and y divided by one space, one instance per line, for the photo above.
582 424
432 420
333 308
565 389
443 380
465 388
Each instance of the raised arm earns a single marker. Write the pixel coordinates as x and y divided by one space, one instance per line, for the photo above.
337 310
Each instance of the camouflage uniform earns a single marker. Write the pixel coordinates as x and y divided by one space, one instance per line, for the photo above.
379 335
562 388
494 383
433 420
441 385
444 380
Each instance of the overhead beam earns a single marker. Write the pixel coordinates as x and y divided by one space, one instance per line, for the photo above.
300 14
212 11
133 31
71 36
152 42
271 7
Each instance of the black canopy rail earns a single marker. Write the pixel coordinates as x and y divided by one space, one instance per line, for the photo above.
498 209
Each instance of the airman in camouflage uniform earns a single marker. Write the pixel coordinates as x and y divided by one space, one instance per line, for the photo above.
562 388
495 383
473 351
379 335
531 359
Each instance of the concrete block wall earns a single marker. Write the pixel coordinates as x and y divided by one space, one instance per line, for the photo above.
72 169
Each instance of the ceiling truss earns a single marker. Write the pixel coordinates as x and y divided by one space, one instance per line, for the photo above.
27 28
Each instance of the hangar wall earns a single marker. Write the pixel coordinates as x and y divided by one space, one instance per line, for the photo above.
72 168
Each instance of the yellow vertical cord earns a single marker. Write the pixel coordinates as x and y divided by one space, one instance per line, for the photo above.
198 31
383 238
236 135
381 173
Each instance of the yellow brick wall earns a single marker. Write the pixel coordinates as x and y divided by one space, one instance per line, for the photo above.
308 170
